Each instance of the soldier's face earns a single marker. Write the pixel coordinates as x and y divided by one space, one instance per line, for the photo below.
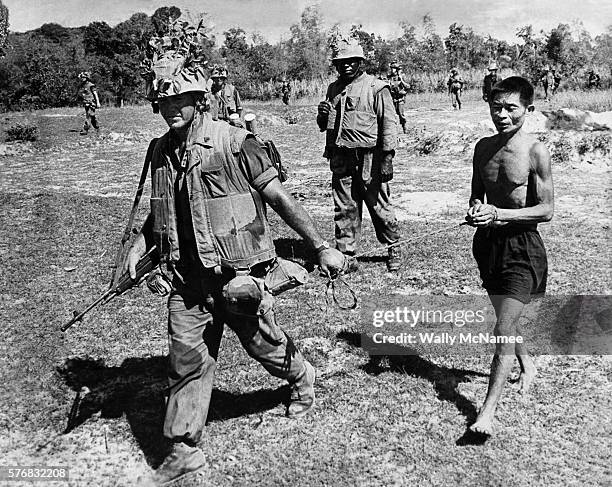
218 82
348 68
178 110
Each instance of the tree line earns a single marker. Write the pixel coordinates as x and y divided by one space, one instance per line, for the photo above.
39 68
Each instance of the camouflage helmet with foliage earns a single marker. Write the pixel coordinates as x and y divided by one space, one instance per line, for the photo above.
345 47
175 63
84 75
218 71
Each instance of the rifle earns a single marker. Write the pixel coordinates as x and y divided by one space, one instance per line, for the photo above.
146 264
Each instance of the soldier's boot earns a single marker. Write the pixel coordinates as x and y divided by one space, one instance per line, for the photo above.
394 262
302 393
183 461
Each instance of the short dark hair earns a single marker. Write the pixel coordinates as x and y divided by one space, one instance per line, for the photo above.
514 84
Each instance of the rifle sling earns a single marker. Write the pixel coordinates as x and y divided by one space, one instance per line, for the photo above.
119 257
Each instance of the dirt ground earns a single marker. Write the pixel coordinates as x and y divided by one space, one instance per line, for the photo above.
379 421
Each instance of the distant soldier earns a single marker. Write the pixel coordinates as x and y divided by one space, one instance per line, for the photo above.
489 80
382 75
88 96
285 90
225 97
455 87
399 88
594 80
360 143
548 82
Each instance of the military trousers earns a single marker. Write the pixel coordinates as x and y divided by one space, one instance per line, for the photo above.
197 314
356 180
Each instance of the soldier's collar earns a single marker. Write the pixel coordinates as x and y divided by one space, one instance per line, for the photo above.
200 131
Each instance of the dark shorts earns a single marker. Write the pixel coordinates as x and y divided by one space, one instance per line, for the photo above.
512 261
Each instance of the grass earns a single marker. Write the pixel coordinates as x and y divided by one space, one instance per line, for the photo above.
397 421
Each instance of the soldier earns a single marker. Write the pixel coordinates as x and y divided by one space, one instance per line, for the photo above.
594 80
208 221
489 80
88 96
455 87
285 90
548 82
226 99
361 137
399 88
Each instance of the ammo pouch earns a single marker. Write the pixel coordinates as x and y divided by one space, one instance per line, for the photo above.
158 283
284 275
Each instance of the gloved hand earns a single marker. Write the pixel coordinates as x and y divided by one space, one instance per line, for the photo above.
324 108
386 167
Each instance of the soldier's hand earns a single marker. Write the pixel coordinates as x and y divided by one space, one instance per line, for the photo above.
484 97
134 255
331 262
386 167
324 108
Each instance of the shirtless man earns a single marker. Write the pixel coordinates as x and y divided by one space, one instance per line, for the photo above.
512 170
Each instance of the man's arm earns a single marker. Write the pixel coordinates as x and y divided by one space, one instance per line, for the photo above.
477 194
323 111
238 102
294 215
142 242
387 120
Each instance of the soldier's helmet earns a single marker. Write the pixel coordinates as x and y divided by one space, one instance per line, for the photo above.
175 63
454 70
394 65
547 68
346 48
493 66
84 75
218 71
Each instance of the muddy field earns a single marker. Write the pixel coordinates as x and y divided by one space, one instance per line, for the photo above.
389 421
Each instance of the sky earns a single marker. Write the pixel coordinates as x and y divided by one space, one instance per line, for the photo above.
272 18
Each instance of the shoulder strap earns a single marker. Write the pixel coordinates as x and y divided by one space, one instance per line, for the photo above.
127 232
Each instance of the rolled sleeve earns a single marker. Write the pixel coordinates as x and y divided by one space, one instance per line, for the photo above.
256 164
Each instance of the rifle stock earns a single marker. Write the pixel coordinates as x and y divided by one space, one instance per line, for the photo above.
145 265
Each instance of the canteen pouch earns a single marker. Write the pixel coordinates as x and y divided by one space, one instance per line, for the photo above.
284 275
243 294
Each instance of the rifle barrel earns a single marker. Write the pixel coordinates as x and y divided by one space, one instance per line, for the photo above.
82 313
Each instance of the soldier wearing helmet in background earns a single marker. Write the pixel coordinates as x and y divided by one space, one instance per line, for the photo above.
361 136
210 182
285 90
88 96
225 96
399 88
489 80
455 87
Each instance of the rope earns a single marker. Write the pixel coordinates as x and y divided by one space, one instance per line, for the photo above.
332 282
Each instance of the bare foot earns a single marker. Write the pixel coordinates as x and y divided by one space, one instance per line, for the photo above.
483 425
528 373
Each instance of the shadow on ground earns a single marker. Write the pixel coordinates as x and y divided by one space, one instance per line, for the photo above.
444 379
137 389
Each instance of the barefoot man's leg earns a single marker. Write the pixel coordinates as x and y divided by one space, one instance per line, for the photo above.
508 311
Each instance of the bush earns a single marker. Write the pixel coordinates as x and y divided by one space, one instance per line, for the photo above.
22 132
